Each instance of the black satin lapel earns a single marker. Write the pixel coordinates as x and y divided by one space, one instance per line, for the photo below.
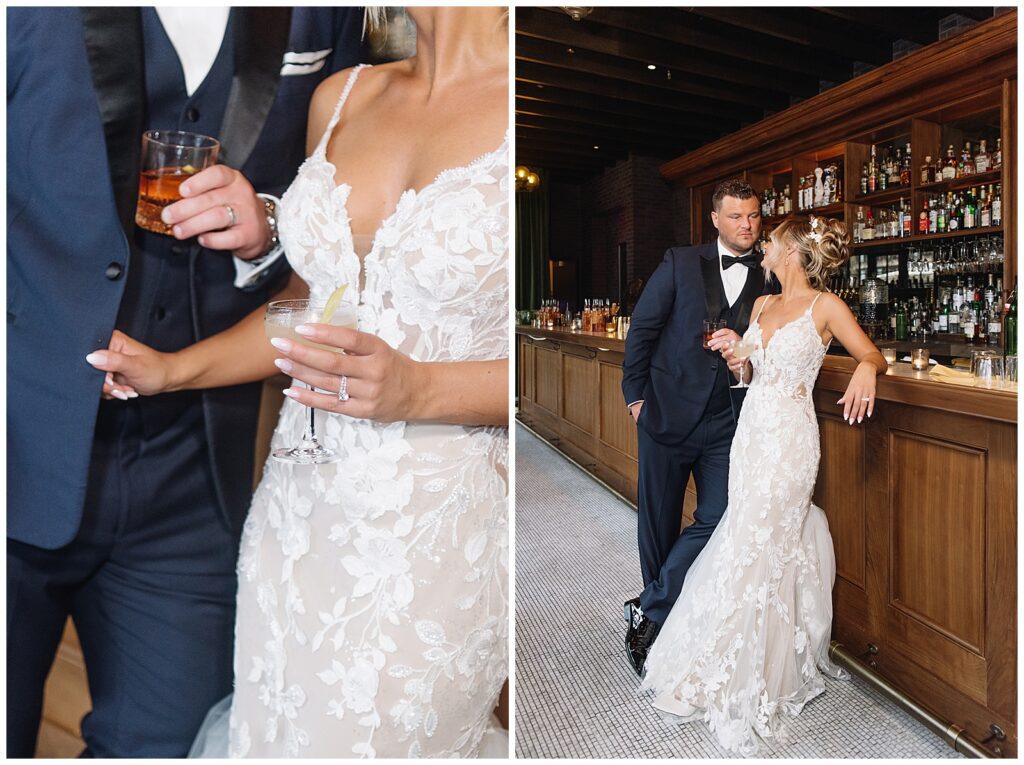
752 288
261 40
711 273
113 44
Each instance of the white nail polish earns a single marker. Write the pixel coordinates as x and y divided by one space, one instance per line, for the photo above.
291 393
132 394
281 344
119 394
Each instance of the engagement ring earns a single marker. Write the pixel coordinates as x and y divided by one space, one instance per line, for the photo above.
231 216
343 389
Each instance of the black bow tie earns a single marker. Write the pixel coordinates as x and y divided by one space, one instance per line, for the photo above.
750 261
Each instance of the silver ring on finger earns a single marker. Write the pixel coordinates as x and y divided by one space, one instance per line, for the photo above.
343 388
866 398
232 218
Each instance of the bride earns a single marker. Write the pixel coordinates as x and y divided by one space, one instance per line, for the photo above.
372 615
746 642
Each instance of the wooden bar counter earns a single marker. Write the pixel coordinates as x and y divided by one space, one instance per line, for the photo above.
921 502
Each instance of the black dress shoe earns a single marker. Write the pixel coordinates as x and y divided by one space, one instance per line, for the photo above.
643 638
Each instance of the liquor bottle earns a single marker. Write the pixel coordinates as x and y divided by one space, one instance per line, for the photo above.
986 208
944 317
949 169
983 161
997 158
1010 326
997 206
933 217
967 322
995 325
901 322
868 232
787 201
941 218
905 168
894 168
969 209
907 220
864 179
990 290
927 171
858 226
922 222
966 164
953 319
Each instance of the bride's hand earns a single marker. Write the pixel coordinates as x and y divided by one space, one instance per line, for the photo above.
721 340
132 368
859 397
382 383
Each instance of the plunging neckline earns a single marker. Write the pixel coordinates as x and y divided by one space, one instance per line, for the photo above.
806 314
410 192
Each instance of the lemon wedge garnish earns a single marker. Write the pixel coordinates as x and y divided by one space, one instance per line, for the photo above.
332 304
188 170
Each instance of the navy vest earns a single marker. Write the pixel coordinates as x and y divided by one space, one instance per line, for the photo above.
156 308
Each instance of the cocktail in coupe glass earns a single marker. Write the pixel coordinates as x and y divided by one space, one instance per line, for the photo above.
742 349
281 319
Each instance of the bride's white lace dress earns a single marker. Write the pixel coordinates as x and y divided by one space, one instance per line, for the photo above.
373 592
746 643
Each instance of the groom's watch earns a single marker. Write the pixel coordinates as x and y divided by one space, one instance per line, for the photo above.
270 206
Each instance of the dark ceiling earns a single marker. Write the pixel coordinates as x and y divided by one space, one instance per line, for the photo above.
587 97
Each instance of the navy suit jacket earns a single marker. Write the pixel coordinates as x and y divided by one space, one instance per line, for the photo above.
75 110
665 362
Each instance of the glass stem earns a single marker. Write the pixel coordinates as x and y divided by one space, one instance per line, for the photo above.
309 434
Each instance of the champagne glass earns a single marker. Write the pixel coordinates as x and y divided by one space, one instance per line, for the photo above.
282 317
742 349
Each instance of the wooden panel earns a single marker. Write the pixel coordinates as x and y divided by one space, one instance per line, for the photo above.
1009 130
526 373
579 392
840 493
546 379
937 516
617 428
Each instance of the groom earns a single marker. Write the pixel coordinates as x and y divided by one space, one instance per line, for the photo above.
679 396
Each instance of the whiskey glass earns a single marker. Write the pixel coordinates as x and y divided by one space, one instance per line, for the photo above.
169 158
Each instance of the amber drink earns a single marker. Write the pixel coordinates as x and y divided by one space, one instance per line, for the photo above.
169 157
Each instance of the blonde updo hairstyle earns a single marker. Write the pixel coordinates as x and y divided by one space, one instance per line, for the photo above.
820 258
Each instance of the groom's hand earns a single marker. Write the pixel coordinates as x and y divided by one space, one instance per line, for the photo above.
635 410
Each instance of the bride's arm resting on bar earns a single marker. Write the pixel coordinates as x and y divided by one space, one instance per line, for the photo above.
840 323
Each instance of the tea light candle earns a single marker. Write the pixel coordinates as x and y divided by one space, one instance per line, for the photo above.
890 355
919 358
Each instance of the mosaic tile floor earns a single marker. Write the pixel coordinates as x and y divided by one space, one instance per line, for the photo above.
575 693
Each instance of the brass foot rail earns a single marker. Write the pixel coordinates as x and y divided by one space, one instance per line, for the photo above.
959 739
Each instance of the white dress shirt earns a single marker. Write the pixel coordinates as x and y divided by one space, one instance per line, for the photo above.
196 34
733 278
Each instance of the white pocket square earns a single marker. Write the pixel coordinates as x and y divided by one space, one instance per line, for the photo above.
304 63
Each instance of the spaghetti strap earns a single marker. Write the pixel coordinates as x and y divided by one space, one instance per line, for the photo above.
766 299
811 306
349 84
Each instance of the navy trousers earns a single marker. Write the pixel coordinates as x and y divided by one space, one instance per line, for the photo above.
149 582
665 554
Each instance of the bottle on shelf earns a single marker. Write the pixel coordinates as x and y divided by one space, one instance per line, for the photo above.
787 201
922 221
864 179
949 168
901 322
997 206
905 167
997 157
995 325
868 232
966 165
858 226
944 317
986 208
927 171
983 161
967 322
872 172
